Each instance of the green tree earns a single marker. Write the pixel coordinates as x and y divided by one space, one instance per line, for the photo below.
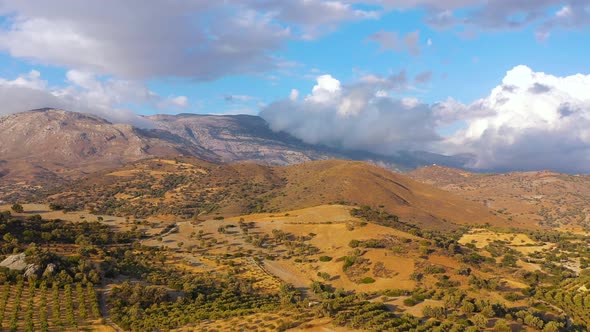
480 321
18 208
502 326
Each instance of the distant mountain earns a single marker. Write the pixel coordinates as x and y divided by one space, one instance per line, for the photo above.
240 138
67 144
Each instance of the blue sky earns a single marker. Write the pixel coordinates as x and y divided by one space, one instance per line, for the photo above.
443 73
463 68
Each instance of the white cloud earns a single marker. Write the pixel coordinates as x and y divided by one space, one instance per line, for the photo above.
565 11
204 40
532 120
312 17
359 116
381 93
326 89
32 80
494 15
180 101
85 93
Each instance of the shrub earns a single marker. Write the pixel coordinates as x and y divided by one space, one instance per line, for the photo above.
410 302
17 208
367 280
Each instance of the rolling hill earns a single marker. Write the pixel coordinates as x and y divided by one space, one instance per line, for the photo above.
189 188
529 198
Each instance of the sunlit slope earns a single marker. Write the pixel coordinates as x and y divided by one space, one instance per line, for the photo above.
190 188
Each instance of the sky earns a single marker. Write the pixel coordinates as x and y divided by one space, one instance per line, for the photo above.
506 81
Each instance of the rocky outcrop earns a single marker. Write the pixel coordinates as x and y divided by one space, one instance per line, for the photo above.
15 262
50 270
18 262
31 270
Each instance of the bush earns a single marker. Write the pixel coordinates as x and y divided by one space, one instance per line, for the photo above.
367 280
410 302
325 258
511 297
17 208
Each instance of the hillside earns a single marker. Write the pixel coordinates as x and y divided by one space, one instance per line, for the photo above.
529 198
189 188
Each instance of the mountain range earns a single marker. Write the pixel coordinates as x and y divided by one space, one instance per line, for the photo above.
45 143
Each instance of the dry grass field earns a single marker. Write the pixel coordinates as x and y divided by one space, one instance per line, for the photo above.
332 230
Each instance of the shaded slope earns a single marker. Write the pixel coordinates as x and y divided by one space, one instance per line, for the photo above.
239 138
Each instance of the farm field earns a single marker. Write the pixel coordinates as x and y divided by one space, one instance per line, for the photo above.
32 306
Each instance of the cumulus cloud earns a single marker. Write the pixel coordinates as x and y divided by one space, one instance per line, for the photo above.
84 93
532 120
360 116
